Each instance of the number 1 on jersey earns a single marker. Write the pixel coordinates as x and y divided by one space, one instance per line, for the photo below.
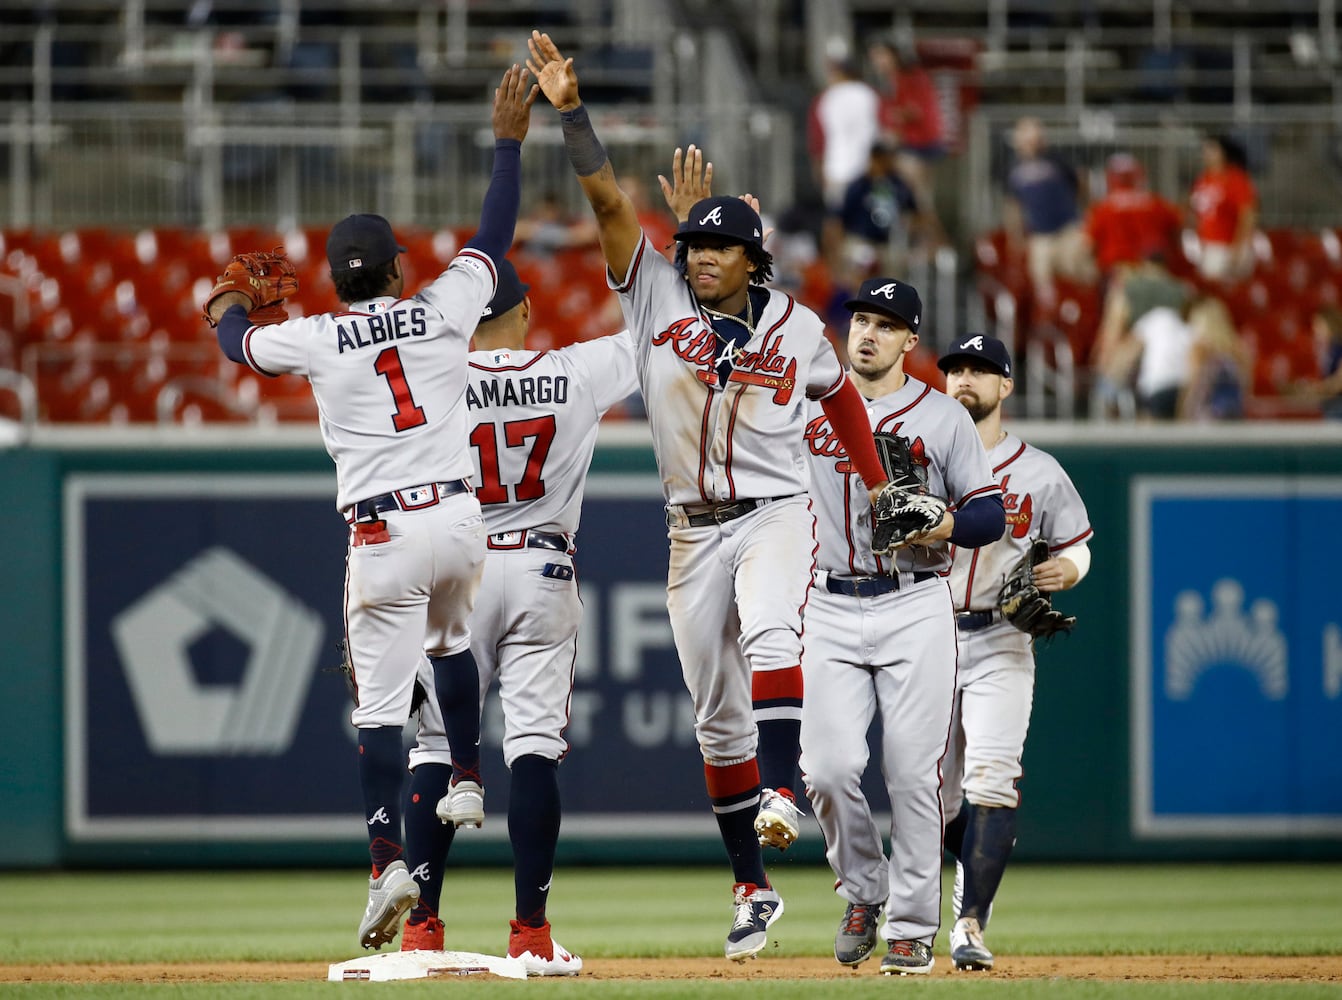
407 415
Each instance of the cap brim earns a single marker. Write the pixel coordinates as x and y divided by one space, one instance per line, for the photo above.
725 237
944 363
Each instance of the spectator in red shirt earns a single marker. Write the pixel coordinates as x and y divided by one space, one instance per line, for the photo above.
1225 211
910 116
1130 223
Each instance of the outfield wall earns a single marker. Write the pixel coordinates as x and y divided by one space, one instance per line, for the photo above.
170 606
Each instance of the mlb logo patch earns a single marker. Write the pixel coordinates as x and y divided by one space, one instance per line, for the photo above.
418 496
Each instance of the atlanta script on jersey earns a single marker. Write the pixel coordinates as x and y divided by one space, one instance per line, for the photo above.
942 439
1040 502
723 443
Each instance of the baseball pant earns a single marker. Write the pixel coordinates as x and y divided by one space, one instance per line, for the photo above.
524 633
891 656
735 593
407 595
994 693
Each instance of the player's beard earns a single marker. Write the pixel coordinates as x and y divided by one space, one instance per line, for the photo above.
978 408
870 371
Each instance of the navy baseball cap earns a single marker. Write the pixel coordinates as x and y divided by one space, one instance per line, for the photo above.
730 218
510 291
987 351
890 297
361 241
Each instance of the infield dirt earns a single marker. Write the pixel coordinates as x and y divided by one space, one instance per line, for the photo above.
1205 968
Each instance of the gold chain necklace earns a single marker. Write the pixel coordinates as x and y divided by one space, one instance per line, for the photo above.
748 323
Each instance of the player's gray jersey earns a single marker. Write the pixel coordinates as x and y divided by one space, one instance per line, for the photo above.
942 439
739 442
388 377
533 422
1040 502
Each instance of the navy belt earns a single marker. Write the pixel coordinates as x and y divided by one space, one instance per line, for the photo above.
871 586
410 498
550 541
718 514
972 621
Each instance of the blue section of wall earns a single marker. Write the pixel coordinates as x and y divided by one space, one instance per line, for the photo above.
134 548
1245 707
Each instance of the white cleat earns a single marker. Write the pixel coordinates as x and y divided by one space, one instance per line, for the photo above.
778 822
463 805
968 952
390 897
541 953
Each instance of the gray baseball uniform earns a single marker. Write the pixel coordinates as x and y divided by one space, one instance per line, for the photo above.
994 688
392 412
534 420
884 642
736 585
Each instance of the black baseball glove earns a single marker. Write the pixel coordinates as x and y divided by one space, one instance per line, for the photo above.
1025 605
346 670
905 507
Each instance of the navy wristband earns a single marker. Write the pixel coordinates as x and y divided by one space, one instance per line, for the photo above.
585 151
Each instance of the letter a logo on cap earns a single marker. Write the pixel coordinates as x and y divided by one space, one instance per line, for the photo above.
714 217
974 342
887 290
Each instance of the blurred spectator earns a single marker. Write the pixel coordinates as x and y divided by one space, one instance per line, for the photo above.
1044 207
1130 223
1145 342
548 227
1327 327
1165 361
910 115
1220 366
869 228
841 127
1225 211
796 252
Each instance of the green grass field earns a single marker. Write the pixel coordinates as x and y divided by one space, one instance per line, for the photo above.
294 917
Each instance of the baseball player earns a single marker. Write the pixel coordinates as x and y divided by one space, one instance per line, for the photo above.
389 377
880 640
533 425
725 365
994 686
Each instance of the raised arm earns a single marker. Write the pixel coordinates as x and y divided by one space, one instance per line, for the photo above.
616 217
691 182
512 116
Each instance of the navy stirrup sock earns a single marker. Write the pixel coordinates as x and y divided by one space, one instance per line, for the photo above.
457 681
382 775
989 838
533 829
427 838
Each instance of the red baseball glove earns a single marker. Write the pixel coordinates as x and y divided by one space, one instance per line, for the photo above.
266 278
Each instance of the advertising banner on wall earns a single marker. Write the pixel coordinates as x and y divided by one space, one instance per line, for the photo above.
1237 657
201 620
